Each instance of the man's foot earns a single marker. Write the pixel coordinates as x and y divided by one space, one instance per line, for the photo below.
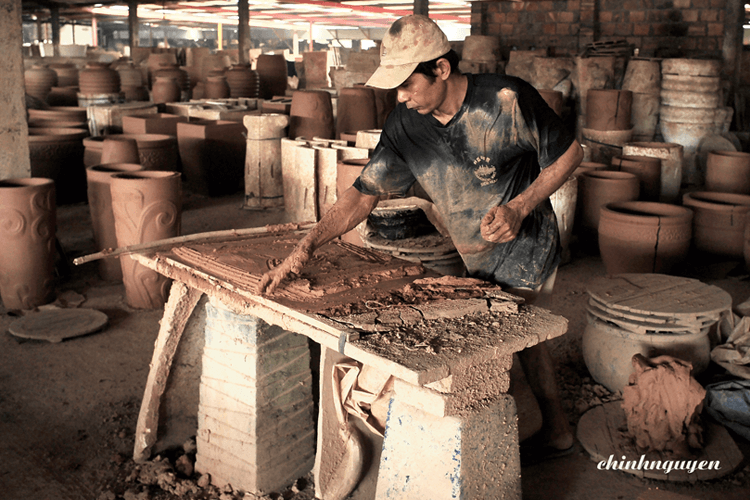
537 449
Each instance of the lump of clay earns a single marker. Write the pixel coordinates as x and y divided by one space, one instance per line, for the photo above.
662 404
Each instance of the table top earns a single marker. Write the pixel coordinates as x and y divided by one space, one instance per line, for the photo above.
377 309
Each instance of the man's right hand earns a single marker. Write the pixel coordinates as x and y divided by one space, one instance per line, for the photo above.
294 263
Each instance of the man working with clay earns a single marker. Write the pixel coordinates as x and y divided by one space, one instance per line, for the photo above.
489 152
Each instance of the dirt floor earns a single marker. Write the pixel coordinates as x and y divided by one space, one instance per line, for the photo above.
68 410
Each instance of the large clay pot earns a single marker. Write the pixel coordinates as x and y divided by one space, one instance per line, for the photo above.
608 350
130 76
599 187
608 109
648 171
27 236
165 89
644 237
118 149
272 72
356 111
67 74
39 79
98 180
242 81
311 115
728 172
587 166
155 61
718 221
216 87
57 154
147 207
156 151
97 78
385 101
672 159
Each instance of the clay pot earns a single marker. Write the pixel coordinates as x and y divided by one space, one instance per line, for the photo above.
130 76
156 151
588 166
154 63
642 75
554 99
214 62
607 350
120 150
598 188
180 75
63 96
146 207
216 87
57 154
385 101
97 78
608 109
242 81
644 237
356 111
672 158
728 172
38 123
135 94
648 171
165 89
98 180
27 233
39 79
718 221
67 74
61 113
272 74
311 115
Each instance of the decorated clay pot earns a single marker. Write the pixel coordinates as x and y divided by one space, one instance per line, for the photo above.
648 171
98 180
27 236
242 81
597 188
39 79
718 221
119 149
644 237
356 111
57 154
97 78
272 73
728 172
311 115
146 207
165 89
216 87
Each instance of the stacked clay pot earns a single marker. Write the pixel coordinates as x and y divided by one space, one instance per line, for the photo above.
131 82
644 237
672 158
67 74
242 81
216 87
643 79
181 77
728 172
39 80
608 125
156 151
648 171
57 154
27 232
97 78
165 89
311 115
356 111
718 222
272 73
600 187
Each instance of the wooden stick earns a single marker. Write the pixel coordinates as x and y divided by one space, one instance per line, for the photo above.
227 234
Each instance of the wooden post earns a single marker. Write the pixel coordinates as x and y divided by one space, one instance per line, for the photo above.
55 21
243 32
422 7
132 25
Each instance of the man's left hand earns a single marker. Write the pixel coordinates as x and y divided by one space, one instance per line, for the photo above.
501 224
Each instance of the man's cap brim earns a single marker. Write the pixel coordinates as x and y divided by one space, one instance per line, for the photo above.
390 77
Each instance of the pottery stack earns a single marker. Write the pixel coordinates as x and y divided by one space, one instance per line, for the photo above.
242 81
165 79
692 109
608 122
643 79
131 82
39 80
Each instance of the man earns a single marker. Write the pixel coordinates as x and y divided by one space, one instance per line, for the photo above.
489 152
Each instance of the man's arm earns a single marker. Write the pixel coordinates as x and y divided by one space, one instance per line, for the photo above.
502 223
350 209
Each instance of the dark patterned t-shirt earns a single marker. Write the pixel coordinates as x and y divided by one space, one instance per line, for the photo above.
490 151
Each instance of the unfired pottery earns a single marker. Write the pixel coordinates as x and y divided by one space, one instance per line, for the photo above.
718 221
648 171
597 188
728 172
156 151
165 89
118 149
38 81
97 78
147 207
356 110
57 154
242 81
27 236
272 72
216 87
311 115
608 109
263 177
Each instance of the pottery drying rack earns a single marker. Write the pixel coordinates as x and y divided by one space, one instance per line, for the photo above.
344 294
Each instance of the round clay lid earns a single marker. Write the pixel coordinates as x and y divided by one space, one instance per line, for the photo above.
55 325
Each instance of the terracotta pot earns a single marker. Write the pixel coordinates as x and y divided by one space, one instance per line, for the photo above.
98 180
642 75
718 221
120 150
135 94
216 87
67 74
356 111
644 237
165 89
214 62
672 159
156 151
27 233
385 101
587 166
607 350
146 207
130 76
38 123
608 109
63 96
180 75
242 81
272 73
57 154
347 172
154 62
97 78
597 188
159 123
38 80
61 113
213 155
554 98
311 115
728 172
648 171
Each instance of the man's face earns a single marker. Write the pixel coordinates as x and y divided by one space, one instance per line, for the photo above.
421 94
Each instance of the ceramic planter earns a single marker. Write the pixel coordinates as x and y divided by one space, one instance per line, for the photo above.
98 180
263 177
57 154
597 188
356 110
311 115
27 236
718 221
147 207
648 171
644 237
728 172
272 73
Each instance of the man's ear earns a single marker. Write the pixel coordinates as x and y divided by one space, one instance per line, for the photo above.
443 70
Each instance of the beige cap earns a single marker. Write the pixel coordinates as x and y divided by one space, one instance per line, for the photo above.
408 42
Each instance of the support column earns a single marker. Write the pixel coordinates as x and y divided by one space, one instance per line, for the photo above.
132 25
55 21
243 32
421 7
731 49
95 32
219 36
14 134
